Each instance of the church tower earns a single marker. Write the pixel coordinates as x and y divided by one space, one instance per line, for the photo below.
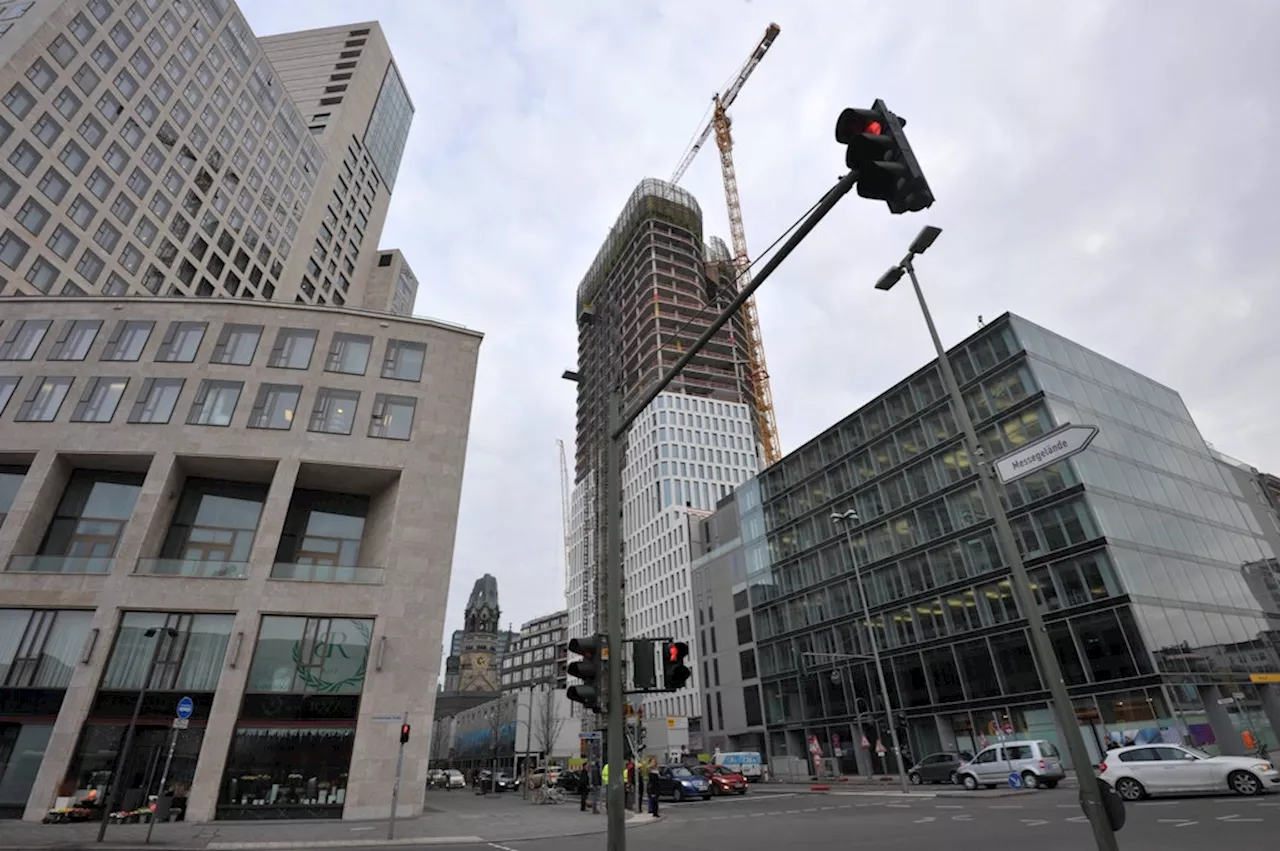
480 657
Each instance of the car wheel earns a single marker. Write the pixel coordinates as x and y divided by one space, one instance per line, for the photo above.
970 782
954 778
1244 783
1049 784
742 791
679 795
1030 781
915 778
1130 789
706 797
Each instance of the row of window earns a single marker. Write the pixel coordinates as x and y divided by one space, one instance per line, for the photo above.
214 404
237 345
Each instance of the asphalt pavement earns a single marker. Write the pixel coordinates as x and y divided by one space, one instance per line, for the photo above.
1048 820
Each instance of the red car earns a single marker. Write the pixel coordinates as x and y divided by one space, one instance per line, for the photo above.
723 781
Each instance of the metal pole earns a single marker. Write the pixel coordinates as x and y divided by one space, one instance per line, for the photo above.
819 213
875 655
164 776
1090 793
113 793
395 788
528 733
617 808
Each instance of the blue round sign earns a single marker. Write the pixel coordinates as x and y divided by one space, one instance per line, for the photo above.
185 707
1015 780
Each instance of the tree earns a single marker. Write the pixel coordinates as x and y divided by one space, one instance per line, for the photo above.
547 721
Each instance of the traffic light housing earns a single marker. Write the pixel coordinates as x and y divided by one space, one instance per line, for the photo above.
404 733
877 148
675 673
644 674
587 669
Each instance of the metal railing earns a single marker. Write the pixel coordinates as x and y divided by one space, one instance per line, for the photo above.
60 564
195 568
343 574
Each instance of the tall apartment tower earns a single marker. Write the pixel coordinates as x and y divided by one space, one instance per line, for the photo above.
216 481
173 158
652 290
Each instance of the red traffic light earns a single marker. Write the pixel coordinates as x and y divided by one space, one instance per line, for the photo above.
404 733
673 653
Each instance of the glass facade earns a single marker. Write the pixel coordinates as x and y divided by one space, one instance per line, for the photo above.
1143 556
388 128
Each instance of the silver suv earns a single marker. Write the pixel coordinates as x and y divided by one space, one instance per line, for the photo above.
1036 762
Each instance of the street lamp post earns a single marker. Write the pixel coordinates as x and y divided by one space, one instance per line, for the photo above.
848 519
1090 792
113 795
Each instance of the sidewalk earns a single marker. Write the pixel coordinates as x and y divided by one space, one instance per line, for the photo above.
451 818
888 786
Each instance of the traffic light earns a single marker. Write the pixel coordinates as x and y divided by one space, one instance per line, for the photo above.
644 674
877 148
675 673
586 669
404 733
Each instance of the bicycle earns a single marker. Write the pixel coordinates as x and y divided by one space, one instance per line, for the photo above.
549 795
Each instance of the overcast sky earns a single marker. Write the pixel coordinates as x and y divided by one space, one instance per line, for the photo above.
1102 168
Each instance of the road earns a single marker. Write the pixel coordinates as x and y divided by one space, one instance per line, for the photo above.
1046 820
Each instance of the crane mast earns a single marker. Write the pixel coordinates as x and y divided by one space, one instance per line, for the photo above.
720 124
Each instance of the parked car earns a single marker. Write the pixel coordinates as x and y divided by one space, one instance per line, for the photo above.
453 779
939 767
682 784
1036 761
435 778
548 774
721 780
1161 769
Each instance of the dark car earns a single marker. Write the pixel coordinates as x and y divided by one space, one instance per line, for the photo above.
682 784
938 767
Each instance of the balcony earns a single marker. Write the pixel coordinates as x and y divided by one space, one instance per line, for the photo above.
341 574
60 564
194 568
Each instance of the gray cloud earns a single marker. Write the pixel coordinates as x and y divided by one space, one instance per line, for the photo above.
1103 168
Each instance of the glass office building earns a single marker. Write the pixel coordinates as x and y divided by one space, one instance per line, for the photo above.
1147 559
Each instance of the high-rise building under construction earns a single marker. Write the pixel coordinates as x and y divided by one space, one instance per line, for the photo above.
651 292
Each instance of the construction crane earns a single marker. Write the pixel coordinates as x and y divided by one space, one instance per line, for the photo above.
564 508
720 123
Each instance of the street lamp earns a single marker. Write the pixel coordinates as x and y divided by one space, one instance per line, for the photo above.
1090 792
113 792
848 519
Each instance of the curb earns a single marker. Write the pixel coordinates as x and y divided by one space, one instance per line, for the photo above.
343 843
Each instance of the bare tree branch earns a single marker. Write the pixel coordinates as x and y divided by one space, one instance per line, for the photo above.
548 723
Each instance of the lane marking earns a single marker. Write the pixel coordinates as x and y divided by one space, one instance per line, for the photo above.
1034 822
925 820
948 806
1235 817
1005 807
1186 824
1158 803
965 817
1078 818
500 847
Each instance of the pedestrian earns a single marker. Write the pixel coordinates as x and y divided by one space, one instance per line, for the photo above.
653 790
595 787
584 787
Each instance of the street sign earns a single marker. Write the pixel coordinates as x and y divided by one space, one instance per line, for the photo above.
181 723
1057 445
1226 701
1238 695
387 719
1015 780
1264 678
185 707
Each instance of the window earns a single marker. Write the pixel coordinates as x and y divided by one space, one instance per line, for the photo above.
41 74
103 56
127 340
334 653
107 236
76 338
7 386
191 661
12 249
81 212
100 400
73 157
132 134
24 338
404 360
45 646
181 342
156 401
25 158
47 130
86 79
275 406
54 185
292 349
90 266
99 184
62 242
392 417
8 189
349 353
237 344
116 158
45 399
42 275
334 411
66 103
62 50
32 216
19 100
123 208
215 402
91 514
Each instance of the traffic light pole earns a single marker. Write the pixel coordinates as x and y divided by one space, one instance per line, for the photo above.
615 733
1090 792
617 424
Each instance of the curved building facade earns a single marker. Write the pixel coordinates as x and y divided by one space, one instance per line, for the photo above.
250 504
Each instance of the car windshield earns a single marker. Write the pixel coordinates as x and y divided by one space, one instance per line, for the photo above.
681 771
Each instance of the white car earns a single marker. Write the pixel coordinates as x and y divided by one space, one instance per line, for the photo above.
1159 769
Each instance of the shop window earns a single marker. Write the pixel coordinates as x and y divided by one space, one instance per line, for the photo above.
41 648
303 655
191 661
290 770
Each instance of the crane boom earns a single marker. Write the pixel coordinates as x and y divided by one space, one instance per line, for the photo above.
727 98
766 423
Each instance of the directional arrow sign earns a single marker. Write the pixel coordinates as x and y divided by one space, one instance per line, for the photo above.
1057 445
